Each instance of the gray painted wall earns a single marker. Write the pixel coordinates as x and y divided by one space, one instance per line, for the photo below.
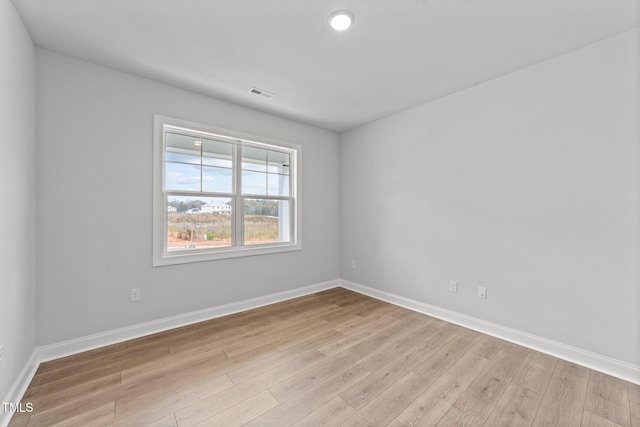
94 207
18 196
527 185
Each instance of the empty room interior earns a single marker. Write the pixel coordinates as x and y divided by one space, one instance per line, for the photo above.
355 212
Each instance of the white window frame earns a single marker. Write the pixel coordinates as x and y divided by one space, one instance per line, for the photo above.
161 256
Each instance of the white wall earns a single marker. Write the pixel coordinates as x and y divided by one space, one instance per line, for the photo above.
17 196
94 206
527 185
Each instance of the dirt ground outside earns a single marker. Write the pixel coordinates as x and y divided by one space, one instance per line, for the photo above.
184 230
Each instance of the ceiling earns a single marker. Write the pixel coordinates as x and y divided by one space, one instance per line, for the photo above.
398 53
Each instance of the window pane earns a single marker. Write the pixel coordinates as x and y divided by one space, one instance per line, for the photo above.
217 153
182 148
254 159
198 222
179 176
278 185
266 221
216 180
278 162
254 183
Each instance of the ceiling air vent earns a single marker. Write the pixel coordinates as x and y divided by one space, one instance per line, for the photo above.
262 93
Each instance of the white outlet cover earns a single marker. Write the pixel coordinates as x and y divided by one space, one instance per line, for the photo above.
453 286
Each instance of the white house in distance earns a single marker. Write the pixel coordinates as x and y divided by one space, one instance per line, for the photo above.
172 209
216 207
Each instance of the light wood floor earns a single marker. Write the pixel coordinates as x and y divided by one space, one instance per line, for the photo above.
328 359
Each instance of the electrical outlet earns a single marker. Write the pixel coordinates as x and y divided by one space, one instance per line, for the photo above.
482 292
135 294
453 286
353 264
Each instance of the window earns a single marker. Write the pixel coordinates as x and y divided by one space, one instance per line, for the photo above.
222 194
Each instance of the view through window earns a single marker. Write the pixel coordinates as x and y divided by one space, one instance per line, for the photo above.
222 194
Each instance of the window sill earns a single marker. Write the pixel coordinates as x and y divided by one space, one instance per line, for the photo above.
185 257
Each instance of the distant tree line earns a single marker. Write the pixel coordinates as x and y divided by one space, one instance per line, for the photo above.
261 207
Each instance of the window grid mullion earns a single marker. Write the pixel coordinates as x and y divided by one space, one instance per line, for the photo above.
201 149
238 208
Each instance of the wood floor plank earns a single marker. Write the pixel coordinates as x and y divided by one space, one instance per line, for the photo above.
437 364
406 314
488 347
516 408
165 383
424 341
19 421
206 408
91 370
634 392
176 365
75 359
73 408
635 413
50 398
490 385
608 397
536 371
222 323
273 360
239 323
431 405
465 412
383 409
332 413
166 421
311 399
365 345
244 411
589 419
572 368
155 404
476 403
284 342
244 345
100 416
307 379
315 311
563 401
166 338
379 317
385 376
232 335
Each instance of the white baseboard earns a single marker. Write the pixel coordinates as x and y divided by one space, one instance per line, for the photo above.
19 387
597 362
79 345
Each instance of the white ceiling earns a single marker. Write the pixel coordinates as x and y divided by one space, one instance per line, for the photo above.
398 54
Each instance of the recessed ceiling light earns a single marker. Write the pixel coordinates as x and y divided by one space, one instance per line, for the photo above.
340 20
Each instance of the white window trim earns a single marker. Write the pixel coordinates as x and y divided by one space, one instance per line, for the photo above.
162 257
